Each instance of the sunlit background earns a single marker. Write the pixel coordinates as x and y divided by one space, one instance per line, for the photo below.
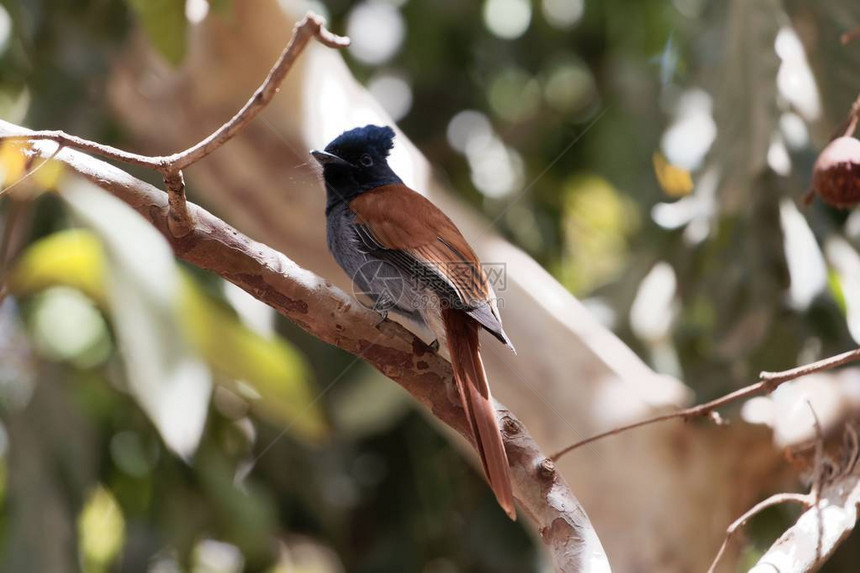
650 154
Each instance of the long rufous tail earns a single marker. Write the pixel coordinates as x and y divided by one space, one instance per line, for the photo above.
462 334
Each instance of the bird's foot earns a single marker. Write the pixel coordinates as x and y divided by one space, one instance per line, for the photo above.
383 316
435 345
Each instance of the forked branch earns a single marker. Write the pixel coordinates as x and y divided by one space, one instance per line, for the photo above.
170 166
768 382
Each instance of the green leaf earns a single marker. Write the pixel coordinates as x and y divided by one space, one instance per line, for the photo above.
72 258
165 25
168 379
270 365
101 531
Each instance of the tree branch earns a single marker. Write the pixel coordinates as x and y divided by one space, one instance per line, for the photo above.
768 382
332 316
778 499
170 166
813 538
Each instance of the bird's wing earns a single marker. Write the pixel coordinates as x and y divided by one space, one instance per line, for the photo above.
421 240
405 228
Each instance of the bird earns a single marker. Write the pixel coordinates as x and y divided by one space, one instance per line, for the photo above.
407 256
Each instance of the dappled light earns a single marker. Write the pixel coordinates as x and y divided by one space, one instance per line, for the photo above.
615 325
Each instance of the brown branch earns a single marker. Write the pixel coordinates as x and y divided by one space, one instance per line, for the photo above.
329 314
769 381
777 378
170 166
849 126
179 220
777 499
816 534
311 26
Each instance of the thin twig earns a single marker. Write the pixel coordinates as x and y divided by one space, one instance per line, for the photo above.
75 142
769 381
178 217
170 166
809 500
853 449
818 366
773 500
311 26
818 468
819 463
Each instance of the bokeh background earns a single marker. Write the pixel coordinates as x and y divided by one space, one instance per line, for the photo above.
651 155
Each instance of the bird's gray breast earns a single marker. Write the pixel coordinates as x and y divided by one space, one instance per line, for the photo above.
373 278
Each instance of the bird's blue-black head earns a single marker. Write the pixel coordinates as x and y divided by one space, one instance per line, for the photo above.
356 161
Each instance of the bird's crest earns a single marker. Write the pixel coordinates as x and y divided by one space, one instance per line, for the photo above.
380 139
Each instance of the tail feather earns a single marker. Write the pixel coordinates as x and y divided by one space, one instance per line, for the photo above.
462 335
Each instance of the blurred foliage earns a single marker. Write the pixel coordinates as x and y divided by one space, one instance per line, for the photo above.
647 153
165 25
101 530
276 373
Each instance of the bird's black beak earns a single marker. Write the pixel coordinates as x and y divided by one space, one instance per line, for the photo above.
325 158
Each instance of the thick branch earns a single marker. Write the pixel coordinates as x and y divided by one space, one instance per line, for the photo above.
811 541
332 316
769 381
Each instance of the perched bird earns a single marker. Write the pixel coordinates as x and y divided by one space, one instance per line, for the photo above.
408 257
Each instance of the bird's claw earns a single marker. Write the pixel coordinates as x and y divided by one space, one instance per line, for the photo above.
383 316
435 345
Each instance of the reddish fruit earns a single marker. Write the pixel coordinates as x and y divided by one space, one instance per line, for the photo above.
836 177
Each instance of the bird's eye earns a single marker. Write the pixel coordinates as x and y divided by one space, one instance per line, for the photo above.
366 160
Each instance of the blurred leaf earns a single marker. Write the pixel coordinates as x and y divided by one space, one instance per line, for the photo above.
243 516
273 367
13 161
52 459
14 158
101 528
834 284
48 174
276 371
844 263
675 181
368 406
746 107
144 288
66 325
72 258
597 221
165 25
